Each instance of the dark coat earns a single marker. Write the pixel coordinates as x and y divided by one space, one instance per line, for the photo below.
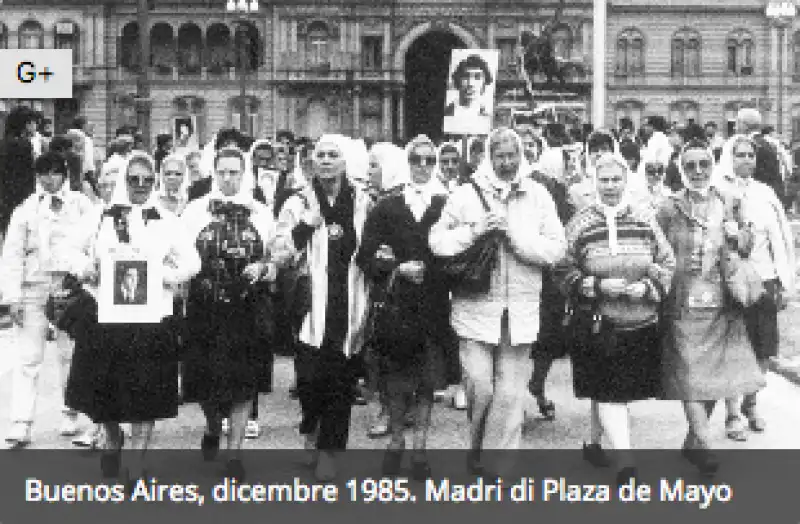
17 178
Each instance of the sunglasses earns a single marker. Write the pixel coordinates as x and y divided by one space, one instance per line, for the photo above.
333 155
178 174
141 181
745 155
449 162
417 160
692 166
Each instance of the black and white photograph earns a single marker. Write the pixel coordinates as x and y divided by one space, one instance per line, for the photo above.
553 238
131 283
469 105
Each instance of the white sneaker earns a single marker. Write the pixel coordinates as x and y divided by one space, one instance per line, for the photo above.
89 439
69 425
226 426
19 436
460 399
253 430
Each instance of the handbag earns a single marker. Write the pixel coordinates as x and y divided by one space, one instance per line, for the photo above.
740 277
471 270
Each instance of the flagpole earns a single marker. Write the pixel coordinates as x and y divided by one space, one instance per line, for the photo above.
599 64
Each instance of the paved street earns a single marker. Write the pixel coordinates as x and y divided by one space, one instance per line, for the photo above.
656 424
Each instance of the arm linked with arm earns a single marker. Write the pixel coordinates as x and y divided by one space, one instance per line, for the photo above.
452 235
546 246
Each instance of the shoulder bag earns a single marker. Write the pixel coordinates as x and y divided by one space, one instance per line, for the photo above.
742 281
471 270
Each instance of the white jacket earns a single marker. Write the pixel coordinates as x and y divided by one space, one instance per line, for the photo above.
41 242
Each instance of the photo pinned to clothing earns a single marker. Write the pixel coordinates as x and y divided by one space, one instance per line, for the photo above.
131 283
469 103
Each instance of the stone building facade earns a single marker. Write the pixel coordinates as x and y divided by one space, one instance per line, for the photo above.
352 65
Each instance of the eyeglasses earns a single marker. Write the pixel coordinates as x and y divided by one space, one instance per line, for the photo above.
653 170
417 160
745 155
692 166
141 181
333 155
178 174
449 161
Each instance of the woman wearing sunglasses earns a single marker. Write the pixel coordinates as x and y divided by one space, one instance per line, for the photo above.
774 258
129 372
706 352
657 190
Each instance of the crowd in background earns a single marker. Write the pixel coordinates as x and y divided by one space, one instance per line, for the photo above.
655 259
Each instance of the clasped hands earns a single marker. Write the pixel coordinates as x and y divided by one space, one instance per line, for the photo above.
412 270
260 271
613 288
492 221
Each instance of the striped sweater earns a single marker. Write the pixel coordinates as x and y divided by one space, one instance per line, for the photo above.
643 255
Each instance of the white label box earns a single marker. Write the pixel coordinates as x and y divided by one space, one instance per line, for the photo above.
35 73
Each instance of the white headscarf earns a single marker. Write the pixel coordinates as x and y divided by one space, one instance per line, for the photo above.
111 170
245 194
344 145
184 188
611 212
395 171
359 163
434 185
120 195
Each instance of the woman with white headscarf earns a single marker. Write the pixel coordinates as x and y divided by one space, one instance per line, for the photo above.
129 372
173 184
324 224
707 356
449 161
496 328
226 360
773 258
620 269
395 253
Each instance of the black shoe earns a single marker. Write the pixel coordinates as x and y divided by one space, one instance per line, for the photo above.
704 460
234 469
474 466
209 446
546 408
595 455
626 475
420 469
392 462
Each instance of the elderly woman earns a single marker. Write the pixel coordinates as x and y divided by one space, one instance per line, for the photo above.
449 158
707 356
226 359
128 372
395 252
774 259
496 328
325 223
656 191
173 184
620 268
584 193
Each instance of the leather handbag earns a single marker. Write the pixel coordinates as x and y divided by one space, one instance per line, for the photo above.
471 270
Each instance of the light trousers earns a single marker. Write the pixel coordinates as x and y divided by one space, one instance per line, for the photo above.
31 342
496 378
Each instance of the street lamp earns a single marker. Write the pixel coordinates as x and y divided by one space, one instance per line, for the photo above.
781 14
243 7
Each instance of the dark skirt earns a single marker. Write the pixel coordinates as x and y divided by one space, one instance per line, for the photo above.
761 321
124 373
418 375
629 371
228 357
551 341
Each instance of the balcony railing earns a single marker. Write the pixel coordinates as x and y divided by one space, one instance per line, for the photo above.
702 80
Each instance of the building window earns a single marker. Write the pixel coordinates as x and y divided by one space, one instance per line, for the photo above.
318 44
741 51
630 53
128 51
218 52
686 50
372 52
162 48
190 45
66 37
31 35
796 56
508 52
684 112
562 42
3 36
250 124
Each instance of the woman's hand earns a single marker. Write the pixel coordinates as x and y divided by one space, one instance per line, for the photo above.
636 290
587 287
254 271
413 271
613 287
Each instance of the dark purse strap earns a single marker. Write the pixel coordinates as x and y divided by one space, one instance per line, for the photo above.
477 189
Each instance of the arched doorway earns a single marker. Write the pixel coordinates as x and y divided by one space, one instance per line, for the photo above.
426 65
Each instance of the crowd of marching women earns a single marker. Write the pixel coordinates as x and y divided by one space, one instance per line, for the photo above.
657 263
